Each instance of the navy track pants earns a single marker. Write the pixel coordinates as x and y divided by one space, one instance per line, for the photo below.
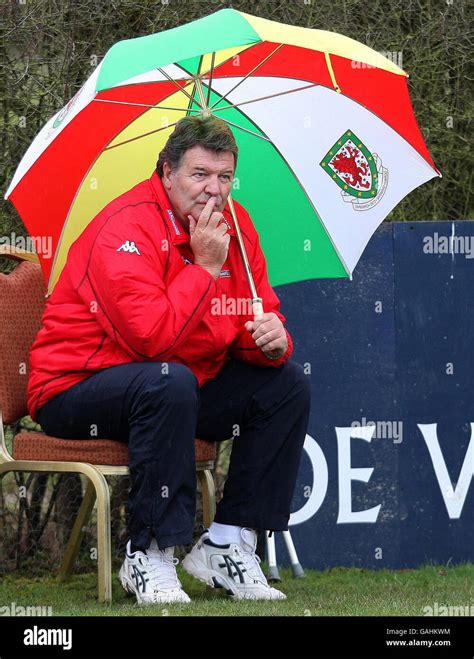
158 409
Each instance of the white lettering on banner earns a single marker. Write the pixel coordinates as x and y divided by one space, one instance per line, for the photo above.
347 474
320 482
453 498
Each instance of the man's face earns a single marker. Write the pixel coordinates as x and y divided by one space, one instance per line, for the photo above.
202 174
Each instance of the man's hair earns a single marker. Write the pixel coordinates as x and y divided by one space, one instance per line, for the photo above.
208 132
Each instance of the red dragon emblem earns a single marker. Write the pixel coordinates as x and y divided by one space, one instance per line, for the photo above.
357 171
347 166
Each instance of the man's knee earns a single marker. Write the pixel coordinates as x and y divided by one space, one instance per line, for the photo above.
298 379
171 382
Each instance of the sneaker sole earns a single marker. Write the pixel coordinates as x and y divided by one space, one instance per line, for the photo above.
203 574
200 571
125 583
130 590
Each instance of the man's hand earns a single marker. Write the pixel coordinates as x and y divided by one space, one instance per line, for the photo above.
209 239
269 335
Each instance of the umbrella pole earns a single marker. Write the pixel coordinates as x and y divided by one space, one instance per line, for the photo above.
257 306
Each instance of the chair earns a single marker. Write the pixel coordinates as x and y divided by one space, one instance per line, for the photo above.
22 299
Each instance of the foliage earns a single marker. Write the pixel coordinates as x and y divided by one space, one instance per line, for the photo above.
49 48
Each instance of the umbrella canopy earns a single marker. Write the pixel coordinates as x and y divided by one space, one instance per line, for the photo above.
328 141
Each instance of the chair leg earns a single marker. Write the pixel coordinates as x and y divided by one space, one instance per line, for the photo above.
77 532
208 496
104 544
104 562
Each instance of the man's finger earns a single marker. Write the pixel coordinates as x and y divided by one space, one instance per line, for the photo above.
272 335
206 212
261 326
259 320
222 229
275 345
215 220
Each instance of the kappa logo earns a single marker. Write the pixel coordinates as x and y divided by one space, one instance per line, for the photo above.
129 246
358 172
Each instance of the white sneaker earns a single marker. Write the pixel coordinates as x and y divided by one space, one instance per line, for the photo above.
151 576
235 567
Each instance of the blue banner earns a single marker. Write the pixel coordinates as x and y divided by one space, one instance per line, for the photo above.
386 479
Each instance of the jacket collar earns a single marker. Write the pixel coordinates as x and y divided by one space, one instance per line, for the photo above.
179 235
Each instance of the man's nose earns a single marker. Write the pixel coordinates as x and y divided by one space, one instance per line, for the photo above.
213 187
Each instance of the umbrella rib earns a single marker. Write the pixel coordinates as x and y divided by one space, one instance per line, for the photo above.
181 89
231 123
138 137
248 75
203 75
262 98
145 105
210 79
209 84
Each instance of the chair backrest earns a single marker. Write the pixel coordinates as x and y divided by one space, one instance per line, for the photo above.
22 300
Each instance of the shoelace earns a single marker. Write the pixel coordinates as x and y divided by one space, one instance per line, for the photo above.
252 562
161 571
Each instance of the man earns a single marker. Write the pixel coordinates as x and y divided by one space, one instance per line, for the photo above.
138 344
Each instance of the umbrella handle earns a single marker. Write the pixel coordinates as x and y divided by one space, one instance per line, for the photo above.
257 306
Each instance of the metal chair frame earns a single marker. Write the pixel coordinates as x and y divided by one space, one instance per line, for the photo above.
97 490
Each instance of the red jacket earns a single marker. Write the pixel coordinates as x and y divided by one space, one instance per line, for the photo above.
130 292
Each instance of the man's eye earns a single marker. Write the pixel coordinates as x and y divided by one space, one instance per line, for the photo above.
199 174
225 178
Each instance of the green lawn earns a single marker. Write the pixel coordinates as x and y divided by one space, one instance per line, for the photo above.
335 592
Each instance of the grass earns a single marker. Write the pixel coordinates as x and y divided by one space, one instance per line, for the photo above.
335 592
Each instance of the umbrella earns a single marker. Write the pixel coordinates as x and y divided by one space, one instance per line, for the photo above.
328 141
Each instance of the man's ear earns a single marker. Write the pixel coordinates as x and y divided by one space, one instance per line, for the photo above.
166 175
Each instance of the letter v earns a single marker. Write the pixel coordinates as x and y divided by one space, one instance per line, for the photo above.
453 499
